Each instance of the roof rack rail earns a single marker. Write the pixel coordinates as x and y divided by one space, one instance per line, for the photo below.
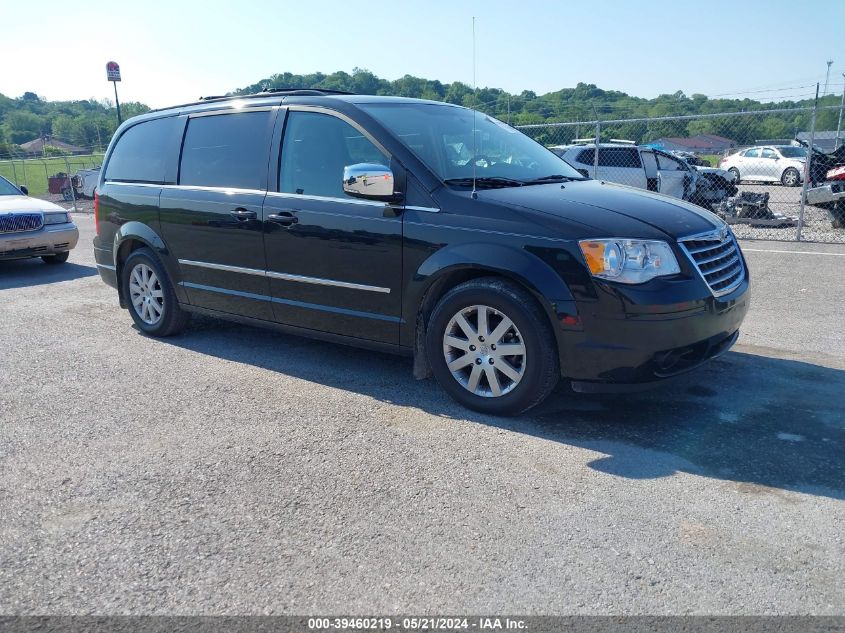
306 91
301 92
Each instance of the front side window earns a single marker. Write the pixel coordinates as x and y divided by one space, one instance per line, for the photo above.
316 148
769 153
226 150
142 151
457 143
665 163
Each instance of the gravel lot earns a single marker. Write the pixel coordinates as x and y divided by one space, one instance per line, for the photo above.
234 470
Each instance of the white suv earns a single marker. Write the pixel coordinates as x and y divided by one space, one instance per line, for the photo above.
641 167
768 163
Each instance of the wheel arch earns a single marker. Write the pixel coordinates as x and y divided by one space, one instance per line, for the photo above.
133 236
450 267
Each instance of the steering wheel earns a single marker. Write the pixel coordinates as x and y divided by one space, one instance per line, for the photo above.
478 158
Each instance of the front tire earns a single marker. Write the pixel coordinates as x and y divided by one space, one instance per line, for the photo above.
492 348
149 293
58 258
735 172
790 177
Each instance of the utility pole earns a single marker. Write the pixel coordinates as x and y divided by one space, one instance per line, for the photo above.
841 107
827 76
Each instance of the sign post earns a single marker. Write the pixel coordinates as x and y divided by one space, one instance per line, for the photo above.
113 75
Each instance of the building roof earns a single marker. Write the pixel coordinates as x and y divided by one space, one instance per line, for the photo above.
698 143
36 146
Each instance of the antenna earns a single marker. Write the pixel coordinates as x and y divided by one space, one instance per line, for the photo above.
474 98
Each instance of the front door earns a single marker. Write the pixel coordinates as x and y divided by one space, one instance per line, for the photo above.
751 167
212 220
673 177
334 263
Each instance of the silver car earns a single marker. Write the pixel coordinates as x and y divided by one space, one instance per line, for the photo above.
30 227
768 163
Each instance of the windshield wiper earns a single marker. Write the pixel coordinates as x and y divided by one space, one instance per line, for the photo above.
485 182
552 178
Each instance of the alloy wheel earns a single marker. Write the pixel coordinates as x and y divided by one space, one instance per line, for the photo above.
484 351
146 294
790 178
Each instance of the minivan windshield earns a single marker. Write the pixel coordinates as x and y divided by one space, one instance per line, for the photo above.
441 136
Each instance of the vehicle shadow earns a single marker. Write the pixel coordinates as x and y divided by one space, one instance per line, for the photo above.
746 418
20 273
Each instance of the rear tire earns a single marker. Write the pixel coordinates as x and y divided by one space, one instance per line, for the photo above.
149 294
473 367
58 258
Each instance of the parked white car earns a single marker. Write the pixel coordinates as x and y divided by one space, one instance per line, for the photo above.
30 227
768 163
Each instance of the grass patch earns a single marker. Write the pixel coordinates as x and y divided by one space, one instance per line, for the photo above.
33 172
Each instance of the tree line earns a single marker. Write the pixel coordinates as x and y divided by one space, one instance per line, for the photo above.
91 123
88 124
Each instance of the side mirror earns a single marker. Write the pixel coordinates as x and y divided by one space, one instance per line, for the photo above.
24 190
369 181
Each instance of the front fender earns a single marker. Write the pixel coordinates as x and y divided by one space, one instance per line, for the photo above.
514 263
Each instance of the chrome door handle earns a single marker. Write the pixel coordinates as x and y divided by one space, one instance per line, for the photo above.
284 218
243 214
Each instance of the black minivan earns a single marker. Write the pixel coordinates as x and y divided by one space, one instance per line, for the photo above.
413 227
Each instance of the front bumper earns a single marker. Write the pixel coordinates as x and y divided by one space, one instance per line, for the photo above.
642 344
48 240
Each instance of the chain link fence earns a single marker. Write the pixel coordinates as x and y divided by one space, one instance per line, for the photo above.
754 169
57 178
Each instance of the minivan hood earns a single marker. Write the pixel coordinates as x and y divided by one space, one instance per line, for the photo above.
610 208
25 204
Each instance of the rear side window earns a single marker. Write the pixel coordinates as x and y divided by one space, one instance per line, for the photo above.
142 151
226 150
586 157
612 157
752 153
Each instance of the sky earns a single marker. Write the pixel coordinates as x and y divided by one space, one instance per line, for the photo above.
172 51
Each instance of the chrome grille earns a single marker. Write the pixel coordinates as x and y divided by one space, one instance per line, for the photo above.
716 256
17 222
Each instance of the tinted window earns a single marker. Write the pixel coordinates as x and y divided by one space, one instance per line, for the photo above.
769 153
142 151
226 150
793 152
752 153
586 157
611 157
7 188
315 150
619 157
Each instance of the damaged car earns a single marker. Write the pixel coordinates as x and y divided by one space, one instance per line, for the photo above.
652 169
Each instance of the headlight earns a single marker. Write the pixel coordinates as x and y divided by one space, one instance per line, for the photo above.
629 261
57 217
